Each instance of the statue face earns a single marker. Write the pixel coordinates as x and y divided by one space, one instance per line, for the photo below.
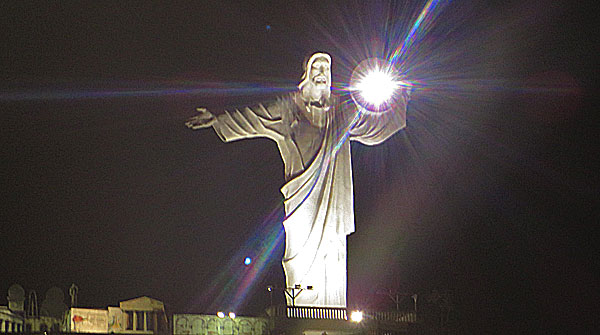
320 74
316 83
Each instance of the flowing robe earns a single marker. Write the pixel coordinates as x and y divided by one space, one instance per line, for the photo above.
318 194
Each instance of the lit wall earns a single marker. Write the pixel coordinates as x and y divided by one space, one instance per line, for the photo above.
202 324
10 322
85 320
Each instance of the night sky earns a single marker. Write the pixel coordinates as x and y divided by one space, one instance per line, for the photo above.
490 193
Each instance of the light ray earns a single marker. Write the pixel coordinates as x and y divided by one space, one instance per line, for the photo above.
230 287
428 14
144 89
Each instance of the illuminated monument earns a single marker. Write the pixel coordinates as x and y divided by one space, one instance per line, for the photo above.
313 130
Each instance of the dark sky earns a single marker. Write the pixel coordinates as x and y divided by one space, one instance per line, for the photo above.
490 193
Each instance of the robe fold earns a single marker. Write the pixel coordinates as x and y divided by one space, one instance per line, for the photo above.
318 194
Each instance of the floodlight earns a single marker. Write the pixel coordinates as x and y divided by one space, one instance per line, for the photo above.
220 314
374 84
356 316
376 87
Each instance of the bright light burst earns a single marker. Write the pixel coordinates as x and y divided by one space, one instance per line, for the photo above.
377 87
375 84
356 316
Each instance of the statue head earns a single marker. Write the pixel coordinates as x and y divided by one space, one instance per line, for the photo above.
316 81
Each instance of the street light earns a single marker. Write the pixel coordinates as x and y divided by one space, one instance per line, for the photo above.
356 316
270 289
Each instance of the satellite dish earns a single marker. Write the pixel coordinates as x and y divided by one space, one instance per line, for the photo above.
55 294
16 291
54 304
16 298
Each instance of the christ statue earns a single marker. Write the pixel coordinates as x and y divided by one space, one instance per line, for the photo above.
313 130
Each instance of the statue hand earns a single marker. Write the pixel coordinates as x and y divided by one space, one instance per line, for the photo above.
204 119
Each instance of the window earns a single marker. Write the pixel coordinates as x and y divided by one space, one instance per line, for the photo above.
129 316
139 323
228 327
212 327
150 320
198 326
245 328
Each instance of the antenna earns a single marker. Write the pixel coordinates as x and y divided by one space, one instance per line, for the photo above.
32 305
73 293
296 290
395 296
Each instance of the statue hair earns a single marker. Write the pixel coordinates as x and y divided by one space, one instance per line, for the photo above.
308 64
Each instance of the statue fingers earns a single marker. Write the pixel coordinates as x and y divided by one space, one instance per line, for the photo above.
200 121
190 124
204 112
203 119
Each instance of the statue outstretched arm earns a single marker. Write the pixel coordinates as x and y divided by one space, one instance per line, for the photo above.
237 124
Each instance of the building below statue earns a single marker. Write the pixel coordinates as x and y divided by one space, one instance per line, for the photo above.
288 320
299 320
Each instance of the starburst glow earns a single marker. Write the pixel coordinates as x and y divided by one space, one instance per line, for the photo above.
428 14
375 84
377 87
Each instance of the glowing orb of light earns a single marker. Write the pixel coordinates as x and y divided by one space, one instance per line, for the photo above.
247 261
220 314
374 84
376 87
356 316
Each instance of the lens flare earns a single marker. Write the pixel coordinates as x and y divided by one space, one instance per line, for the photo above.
356 316
419 28
377 87
230 288
374 84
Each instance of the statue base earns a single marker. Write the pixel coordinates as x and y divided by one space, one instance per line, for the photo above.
294 320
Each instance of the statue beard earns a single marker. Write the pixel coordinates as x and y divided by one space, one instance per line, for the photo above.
318 97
